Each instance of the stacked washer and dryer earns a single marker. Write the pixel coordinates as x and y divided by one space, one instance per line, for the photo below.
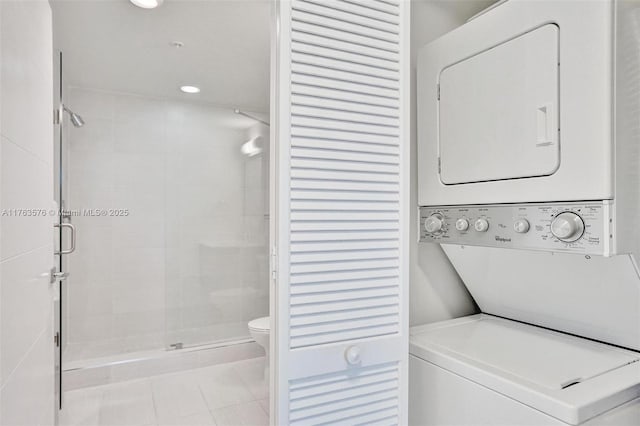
529 177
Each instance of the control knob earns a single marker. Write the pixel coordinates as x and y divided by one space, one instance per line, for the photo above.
433 224
481 225
567 227
462 224
521 226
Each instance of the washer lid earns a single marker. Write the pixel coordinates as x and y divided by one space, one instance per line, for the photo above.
534 354
567 377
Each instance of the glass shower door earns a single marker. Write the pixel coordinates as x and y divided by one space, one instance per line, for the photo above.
217 228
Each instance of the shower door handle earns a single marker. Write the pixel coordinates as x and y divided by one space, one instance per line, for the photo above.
72 230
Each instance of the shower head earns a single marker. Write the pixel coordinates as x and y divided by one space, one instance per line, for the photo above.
76 120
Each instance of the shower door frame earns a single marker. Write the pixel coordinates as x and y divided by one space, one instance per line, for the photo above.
59 195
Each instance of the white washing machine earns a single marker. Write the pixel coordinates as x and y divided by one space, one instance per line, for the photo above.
529 178
487 370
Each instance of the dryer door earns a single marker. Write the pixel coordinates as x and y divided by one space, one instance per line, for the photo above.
498 111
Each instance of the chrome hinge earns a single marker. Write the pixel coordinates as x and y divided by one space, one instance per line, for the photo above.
438 91
274 263
57 116
439 166
174 346
54 275
56 339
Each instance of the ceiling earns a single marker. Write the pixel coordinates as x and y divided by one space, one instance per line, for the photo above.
113 45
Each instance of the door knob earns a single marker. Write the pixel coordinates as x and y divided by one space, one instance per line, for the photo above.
353 355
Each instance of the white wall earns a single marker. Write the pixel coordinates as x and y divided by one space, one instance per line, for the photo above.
437 293
26 246
188 264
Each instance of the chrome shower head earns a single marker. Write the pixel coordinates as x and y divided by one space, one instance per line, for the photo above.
76 120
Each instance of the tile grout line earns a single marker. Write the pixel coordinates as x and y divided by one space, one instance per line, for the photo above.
213 417
26 150
25 253
21 361
244 382
153 401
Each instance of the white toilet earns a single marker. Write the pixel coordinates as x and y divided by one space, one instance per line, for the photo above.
259 330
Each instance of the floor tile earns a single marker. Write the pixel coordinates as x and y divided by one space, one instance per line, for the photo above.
221 386
226 394
247 414
177 396
81 407
251 372
127 404
201 419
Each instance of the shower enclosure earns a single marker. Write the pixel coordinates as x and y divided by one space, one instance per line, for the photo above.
171 221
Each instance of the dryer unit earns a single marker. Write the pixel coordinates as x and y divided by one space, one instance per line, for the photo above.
535 102
529 177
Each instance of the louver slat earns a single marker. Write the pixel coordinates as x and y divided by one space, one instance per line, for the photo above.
356 9
340 316
329 10
345 267
320 122
340 399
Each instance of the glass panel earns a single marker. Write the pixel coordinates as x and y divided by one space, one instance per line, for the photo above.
217 224
181 256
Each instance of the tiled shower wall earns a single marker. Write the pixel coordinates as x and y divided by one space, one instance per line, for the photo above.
26 249
189 262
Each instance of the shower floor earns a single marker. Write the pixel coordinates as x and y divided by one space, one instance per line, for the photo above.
225 394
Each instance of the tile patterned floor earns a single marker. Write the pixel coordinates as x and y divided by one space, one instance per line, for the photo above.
233 394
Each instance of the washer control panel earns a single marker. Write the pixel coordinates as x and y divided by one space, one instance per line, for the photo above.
575 227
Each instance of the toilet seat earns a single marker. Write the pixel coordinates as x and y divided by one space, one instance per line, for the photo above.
260 325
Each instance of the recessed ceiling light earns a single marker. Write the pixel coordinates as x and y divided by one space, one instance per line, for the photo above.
190 89
147 4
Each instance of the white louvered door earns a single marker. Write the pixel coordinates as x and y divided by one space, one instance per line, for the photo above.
340 237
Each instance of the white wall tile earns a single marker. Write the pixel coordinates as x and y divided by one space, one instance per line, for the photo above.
91 103
26 183
26 152
26 297
138 168
27 76
89 328
140 136
95 136
27 396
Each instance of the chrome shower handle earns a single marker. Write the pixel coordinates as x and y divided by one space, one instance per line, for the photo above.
72 229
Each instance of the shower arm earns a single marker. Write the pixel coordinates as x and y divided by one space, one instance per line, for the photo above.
237 111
